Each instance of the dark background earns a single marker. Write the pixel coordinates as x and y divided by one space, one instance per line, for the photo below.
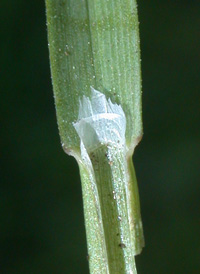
41 215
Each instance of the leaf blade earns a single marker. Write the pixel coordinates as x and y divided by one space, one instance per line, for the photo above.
94 43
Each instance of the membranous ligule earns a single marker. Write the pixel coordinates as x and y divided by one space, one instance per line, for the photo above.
100 122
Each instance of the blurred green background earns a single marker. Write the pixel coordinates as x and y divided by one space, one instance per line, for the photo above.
41 214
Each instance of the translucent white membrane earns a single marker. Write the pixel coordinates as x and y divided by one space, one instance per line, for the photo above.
100 122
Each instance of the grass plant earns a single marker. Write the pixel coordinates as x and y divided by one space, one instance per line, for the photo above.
95 66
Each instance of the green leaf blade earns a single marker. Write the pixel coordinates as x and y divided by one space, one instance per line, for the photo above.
94 43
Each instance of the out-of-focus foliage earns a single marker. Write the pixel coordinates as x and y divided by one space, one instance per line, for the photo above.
42 227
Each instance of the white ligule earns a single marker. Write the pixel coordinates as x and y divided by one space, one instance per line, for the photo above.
100 122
